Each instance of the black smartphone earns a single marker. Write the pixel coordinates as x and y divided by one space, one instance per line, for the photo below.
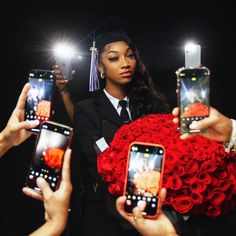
39 101
144 177
52 142
193 96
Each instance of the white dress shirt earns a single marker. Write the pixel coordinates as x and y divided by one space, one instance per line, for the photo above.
115 103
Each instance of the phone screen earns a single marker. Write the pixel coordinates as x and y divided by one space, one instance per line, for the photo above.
193 96
47 160
39 100
144 175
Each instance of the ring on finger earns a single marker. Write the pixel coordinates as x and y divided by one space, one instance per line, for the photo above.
138 216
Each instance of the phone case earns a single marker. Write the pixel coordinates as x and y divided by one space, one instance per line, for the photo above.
193 96
40 98
146 182
48 154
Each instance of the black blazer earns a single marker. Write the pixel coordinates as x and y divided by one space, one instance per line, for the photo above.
94 118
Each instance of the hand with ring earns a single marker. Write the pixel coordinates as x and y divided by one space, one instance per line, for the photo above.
160 226
138 216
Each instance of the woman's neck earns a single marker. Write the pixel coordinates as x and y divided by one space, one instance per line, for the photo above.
117 92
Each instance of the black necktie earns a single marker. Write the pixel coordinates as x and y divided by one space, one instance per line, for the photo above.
124 113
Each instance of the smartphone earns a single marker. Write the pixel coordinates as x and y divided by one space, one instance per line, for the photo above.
51 144
144 177
66 67
193 96
192 55
39 101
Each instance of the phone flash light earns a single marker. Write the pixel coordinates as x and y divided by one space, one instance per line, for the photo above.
191 47
194 78
64 50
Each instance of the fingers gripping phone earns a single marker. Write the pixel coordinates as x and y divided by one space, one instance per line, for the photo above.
144 177
39 100
193 96
47 159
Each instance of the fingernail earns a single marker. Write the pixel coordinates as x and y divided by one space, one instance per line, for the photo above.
193 125
141 203
34 122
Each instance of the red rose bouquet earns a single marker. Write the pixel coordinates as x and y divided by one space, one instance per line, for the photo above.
198 174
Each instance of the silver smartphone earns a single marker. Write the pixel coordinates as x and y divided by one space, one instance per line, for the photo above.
192 55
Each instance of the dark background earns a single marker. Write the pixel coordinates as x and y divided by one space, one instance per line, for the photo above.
28 32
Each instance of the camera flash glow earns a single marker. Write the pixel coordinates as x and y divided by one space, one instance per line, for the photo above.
64 50
190 47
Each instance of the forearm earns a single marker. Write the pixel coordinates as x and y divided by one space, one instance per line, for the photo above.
68 105
5 145
66 98
230 145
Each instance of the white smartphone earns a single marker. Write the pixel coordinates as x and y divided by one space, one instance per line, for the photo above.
192 55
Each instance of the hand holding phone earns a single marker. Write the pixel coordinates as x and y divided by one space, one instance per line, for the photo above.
50 147
39 101
193 96
144 177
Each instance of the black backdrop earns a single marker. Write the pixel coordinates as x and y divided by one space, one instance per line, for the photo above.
28 31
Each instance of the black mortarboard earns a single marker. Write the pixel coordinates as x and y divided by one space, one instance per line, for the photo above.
113 36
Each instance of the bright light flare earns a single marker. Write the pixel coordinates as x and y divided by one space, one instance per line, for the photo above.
190 47
64 50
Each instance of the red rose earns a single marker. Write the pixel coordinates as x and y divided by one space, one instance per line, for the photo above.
183 204
216 197
204 177
191 167
208 166
197 198
174 182
197 186
213 211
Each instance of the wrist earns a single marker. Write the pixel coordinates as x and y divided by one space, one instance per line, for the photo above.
51 227
63 90
5 145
